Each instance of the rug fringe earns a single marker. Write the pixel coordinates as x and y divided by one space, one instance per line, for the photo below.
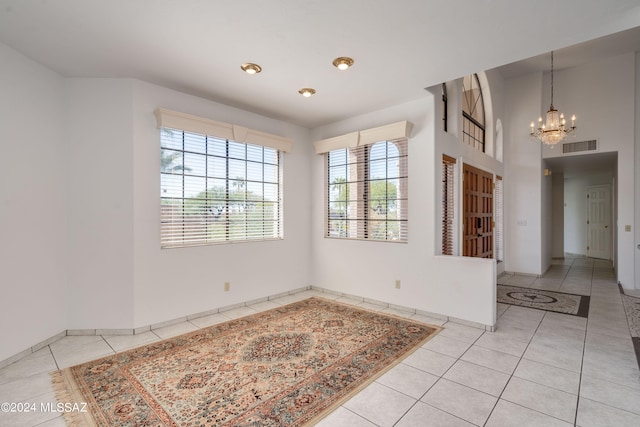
67 392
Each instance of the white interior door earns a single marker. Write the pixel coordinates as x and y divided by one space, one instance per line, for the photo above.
599 221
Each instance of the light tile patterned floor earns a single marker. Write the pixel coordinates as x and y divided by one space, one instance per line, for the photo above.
537 369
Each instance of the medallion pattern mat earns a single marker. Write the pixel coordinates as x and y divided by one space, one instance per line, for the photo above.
632 309
559 302
288 366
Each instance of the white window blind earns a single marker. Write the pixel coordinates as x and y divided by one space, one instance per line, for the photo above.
216 190
498 231
448 212
367 189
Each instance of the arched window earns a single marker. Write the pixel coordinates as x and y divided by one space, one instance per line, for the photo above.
473 124
367 191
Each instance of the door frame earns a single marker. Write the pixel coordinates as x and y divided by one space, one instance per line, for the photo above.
608 225
486 227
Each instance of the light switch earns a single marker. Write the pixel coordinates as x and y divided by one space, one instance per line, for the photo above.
627 227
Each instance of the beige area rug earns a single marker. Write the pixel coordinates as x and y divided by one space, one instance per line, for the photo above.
289 366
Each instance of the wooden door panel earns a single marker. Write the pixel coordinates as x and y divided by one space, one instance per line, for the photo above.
478 212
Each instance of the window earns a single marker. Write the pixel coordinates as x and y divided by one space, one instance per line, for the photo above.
215 190
367 192
472 112
448 213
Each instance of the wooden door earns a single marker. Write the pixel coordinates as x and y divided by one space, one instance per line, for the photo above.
598 222
477 213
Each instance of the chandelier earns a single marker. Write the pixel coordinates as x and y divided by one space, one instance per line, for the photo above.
554 129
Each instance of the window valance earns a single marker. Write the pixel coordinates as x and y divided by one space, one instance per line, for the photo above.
187 122
388 132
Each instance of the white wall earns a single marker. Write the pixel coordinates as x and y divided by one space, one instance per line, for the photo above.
523 177
121 278
368 268
79 211
636 233
602 96
444 285
100 208
172 283
558 224
547 222
33 223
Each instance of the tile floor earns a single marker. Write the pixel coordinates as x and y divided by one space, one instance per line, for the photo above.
537 369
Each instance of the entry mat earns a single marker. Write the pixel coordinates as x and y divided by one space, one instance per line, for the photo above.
559 302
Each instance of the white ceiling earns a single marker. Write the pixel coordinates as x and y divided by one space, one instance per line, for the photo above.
578 54
399 46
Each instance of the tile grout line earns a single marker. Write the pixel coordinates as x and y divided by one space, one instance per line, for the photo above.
439 378
447 370
354 413
514 371
397 391
584 349
193 324
607 380
53 357
529 343
107 342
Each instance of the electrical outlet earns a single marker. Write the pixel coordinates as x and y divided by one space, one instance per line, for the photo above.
397 284
227 286
627 227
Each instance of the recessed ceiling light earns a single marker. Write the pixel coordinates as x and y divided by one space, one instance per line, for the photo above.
343 62
307 92
251 68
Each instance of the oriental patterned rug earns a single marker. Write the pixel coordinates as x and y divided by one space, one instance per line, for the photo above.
289 366
559 302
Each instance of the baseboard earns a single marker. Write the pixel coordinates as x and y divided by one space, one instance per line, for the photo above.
515 273
409 310
32 349
134 331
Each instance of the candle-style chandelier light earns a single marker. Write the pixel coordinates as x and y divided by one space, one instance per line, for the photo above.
554 129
